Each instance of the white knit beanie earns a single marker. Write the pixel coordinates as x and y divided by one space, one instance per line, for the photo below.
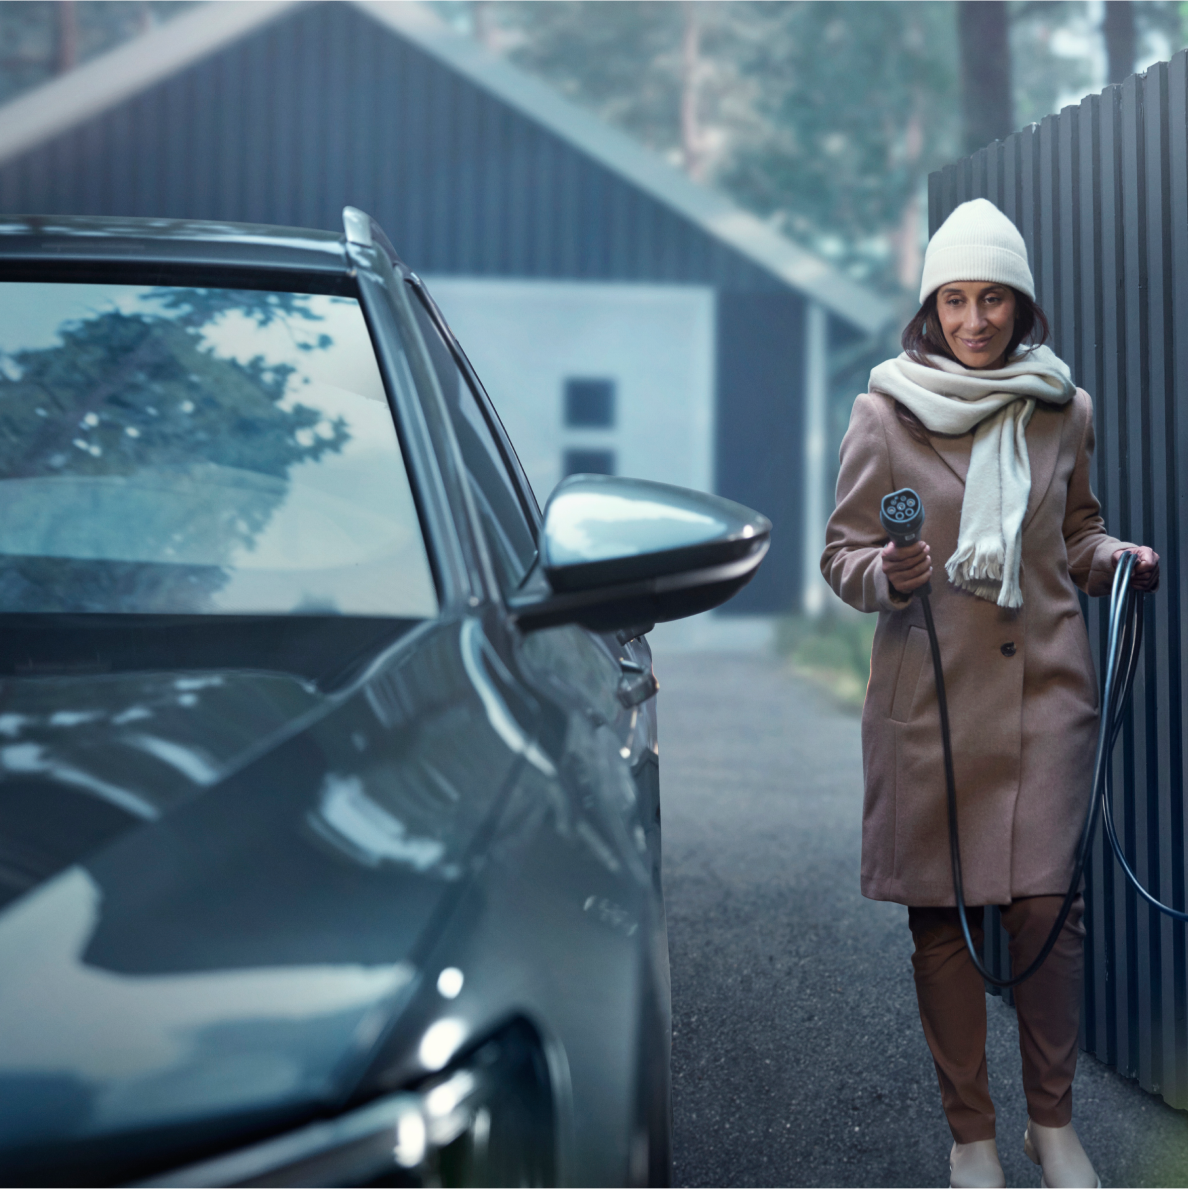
977 242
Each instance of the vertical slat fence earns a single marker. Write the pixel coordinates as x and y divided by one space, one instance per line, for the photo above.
1100 194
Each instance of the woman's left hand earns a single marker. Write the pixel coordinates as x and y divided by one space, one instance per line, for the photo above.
1145 575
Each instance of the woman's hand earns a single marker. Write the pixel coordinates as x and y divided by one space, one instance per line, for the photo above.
907 567
1145 575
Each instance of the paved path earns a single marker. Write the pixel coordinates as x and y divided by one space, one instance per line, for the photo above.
797 1052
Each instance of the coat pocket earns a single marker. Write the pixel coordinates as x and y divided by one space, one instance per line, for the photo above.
1075 623
915 649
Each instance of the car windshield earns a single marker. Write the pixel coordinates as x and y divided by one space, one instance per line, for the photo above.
196 451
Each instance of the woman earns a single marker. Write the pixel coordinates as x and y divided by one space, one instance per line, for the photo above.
984 423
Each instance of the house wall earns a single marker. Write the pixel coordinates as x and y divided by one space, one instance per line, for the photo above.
653 344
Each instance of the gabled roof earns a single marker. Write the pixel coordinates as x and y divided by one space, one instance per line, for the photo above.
44 112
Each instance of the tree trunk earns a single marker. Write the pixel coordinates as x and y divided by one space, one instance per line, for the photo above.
905 239
983 30
1119 33
484 27
66 41
691 143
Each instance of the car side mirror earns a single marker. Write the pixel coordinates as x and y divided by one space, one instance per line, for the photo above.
618 552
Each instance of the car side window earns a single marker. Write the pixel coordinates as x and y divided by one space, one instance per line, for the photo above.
508 530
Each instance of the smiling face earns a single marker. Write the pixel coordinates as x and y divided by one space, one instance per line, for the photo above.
978 320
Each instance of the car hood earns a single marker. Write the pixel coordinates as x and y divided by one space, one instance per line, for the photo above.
85 759
108 1071
223 963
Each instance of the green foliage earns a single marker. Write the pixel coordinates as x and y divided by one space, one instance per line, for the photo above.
621 59
858 103
1161 27
832 650
1043 75
822 117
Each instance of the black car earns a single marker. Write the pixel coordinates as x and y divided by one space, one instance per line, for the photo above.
329 798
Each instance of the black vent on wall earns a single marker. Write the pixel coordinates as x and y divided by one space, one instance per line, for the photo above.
590 404
588 462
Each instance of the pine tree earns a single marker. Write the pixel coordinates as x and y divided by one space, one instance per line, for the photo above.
43 38
854 104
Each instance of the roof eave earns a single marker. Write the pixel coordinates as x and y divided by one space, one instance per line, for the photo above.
744 232
65 102
97 85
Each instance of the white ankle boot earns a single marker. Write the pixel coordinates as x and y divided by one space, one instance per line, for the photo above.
975 1166
1062 1160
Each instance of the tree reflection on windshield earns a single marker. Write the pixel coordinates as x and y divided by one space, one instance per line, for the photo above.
148 438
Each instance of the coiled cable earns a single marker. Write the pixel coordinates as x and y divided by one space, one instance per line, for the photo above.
1126 624
1121 661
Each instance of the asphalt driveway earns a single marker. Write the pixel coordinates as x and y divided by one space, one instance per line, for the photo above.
797 1052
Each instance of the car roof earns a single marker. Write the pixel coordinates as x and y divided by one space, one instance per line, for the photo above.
40 239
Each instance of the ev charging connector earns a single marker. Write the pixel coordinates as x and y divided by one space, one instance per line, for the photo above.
902 517
902 514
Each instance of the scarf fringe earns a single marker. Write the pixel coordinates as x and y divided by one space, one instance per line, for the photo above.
978 568
977 559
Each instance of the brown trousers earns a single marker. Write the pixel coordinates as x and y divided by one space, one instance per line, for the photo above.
952 999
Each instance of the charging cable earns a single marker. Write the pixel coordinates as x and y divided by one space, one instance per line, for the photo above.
902 517
1125 636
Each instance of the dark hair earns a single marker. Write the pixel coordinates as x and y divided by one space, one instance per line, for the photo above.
923 336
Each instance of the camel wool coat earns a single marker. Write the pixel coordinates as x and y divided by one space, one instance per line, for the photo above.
1021 685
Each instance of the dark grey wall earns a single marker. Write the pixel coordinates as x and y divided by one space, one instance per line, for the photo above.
760 419
325 107
1100 193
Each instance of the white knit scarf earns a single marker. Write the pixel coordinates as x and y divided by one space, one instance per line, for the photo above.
951 399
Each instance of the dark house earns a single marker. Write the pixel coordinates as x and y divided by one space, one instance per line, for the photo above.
698 341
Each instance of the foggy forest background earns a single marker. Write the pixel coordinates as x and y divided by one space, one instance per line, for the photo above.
823 118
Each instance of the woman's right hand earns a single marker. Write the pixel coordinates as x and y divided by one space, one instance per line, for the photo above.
907 567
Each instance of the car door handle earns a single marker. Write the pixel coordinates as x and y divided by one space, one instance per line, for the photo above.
636 685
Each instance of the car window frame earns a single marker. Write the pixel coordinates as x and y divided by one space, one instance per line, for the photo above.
511 476
391 318
511 460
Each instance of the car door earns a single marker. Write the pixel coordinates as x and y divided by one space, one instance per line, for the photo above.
581 819
610 674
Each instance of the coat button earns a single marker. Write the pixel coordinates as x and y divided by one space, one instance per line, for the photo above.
1008 649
